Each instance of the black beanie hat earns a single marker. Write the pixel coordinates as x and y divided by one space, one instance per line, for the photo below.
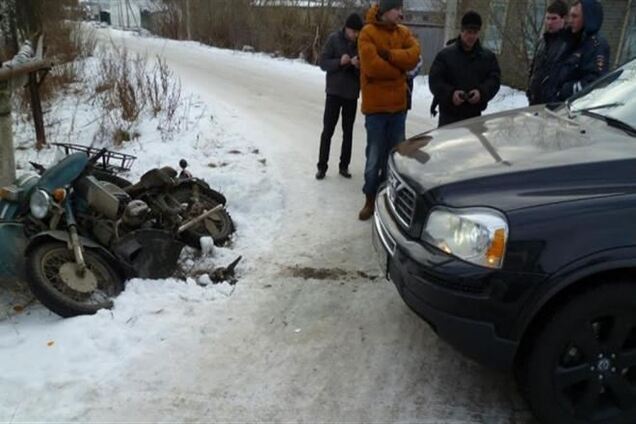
471 20
354 21
386 5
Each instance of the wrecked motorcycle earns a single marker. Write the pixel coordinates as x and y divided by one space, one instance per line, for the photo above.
173 197
76 239
174 200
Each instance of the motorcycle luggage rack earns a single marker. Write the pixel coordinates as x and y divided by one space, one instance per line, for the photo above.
110 161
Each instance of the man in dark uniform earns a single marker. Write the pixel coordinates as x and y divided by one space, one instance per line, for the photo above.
464 76
339 59
590 52
552 48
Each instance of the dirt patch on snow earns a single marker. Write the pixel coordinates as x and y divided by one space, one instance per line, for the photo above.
311 273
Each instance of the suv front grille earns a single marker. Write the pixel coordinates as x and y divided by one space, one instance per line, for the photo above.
401 198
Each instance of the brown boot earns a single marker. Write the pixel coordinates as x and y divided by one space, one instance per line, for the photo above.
367 210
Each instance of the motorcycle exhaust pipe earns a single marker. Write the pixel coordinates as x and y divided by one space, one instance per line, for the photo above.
195 221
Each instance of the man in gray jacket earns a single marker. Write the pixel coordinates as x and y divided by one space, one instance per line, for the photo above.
339 59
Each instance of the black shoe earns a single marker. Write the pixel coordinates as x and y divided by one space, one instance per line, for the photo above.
320 174
345 173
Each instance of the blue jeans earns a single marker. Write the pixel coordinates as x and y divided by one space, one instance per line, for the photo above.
384 132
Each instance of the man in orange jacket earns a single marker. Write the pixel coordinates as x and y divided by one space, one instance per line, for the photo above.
387 52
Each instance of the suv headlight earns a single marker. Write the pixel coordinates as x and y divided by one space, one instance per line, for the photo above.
476 235
39 203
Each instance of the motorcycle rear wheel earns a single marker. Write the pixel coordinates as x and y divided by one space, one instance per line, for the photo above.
47 268
219 225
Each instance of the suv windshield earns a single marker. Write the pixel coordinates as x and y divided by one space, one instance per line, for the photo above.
612 97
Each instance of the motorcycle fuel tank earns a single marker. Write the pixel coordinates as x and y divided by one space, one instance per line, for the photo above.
64 172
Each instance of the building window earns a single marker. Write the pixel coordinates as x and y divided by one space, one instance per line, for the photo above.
493 37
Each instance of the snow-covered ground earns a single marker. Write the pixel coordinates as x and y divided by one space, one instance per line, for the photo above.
311 332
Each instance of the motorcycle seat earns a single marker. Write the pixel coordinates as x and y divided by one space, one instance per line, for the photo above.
155 178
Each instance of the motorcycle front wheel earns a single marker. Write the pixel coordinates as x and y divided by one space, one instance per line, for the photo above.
219 225
54 279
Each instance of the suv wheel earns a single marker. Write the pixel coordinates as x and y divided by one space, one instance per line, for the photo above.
582 365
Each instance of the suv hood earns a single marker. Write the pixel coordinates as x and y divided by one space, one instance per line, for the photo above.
518 159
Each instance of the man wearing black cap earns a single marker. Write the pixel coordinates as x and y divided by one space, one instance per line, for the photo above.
464 76
340 60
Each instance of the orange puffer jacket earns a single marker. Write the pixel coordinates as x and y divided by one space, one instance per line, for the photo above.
383 82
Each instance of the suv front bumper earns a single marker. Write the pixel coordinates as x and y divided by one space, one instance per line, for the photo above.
449 294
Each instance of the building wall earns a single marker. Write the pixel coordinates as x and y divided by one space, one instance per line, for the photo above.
428 28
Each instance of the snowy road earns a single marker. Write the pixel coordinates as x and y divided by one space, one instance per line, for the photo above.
312 332
343 348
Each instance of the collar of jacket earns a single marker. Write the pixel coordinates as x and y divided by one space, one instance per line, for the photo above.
477 49
554 35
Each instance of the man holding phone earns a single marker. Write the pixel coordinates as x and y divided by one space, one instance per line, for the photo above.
339 59
464 76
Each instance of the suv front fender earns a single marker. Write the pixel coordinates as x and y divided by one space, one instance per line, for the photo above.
568 277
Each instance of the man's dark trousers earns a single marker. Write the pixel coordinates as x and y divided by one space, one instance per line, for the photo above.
333 106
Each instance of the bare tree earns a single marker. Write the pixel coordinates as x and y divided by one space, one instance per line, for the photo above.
291 27
8 30
516 33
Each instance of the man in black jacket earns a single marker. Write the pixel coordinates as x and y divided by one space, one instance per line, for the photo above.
589 56
552 48
464 76
340 60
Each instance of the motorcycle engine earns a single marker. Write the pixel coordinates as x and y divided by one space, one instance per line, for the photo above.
136 213
102 197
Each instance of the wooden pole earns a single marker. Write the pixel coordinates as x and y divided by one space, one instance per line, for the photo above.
10 72
36 108
7 161
13 70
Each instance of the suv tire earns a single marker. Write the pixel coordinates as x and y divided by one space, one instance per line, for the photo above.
582 364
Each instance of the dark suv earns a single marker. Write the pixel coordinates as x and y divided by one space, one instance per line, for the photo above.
514 237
